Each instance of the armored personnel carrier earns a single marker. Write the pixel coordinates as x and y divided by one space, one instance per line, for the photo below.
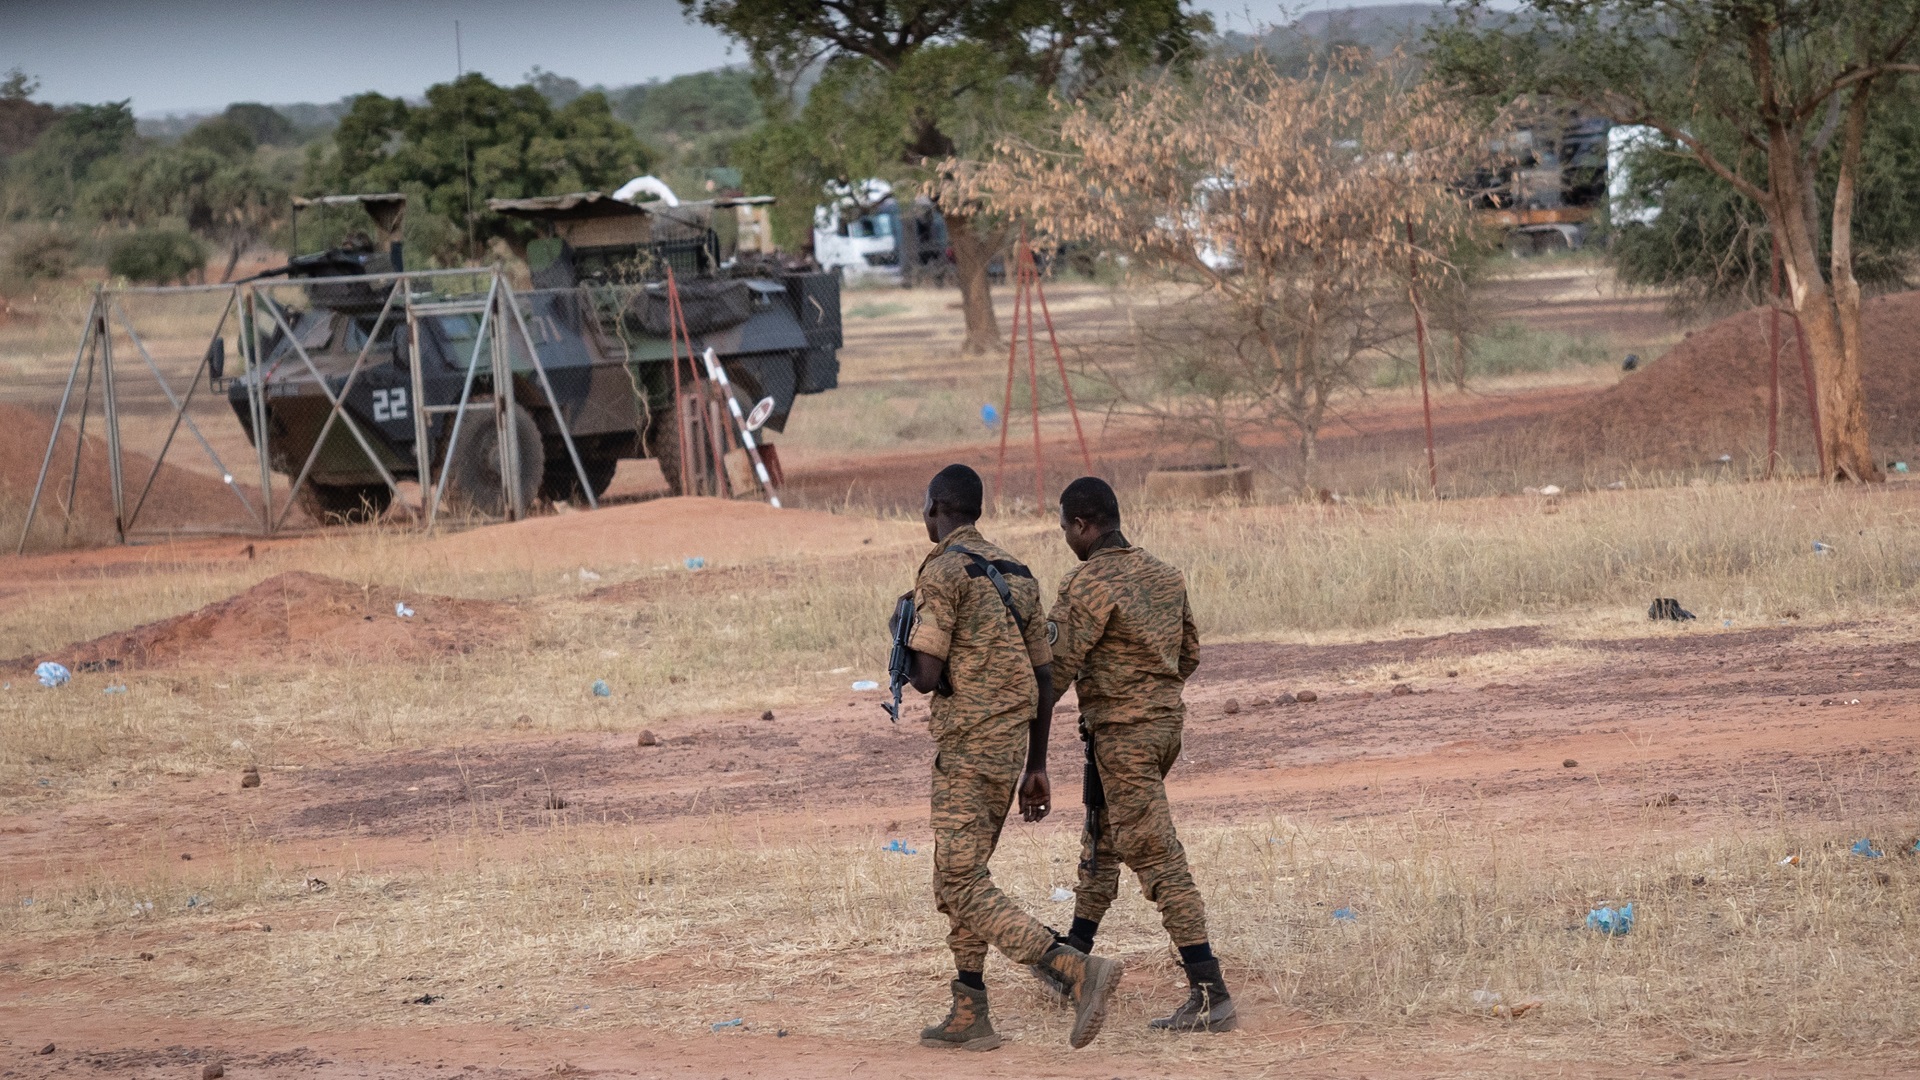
598 318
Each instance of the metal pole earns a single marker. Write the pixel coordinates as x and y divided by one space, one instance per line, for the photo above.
1060 363
257 405
1773 369
677 327
59 418
559 420
504 419
1420 340
1006 412
110 406
340 404
332 400
1027 274
179 415
718 373
422 430
460 411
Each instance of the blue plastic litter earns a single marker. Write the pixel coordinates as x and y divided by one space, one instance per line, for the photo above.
601 689
989 415
1346 914
1864 848
696 562
1613 922
1822 549
866 684
901 847
1899 466
51 674
120 689
733 1023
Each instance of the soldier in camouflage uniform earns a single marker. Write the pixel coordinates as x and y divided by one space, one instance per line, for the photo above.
1122 631
979 645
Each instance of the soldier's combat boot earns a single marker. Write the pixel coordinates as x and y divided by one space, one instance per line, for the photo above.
966 1026
1092 980
1208 1006
1057 989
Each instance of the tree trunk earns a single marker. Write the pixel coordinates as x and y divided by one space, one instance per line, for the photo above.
972 253
233 260
1459 361
1832 323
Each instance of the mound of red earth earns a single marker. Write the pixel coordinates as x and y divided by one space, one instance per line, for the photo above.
1708 397
180 498
300 618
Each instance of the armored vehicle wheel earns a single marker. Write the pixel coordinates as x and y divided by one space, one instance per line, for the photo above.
663 445
561 483
344 504
473 468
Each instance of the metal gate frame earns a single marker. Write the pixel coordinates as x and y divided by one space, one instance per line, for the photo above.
255 306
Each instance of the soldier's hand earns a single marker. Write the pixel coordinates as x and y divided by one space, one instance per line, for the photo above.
1036 795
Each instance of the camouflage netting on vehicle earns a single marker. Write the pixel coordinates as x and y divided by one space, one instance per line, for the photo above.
707 306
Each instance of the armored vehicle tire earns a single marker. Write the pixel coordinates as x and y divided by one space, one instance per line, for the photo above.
473 466
663 445
344 504
561 483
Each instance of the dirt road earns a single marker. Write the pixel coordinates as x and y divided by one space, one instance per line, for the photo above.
1688 732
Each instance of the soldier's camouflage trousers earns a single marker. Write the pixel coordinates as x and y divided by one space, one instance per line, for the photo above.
1137 828
972 789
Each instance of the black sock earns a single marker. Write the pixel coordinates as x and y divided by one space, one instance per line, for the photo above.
1196 954
974 980
1080 934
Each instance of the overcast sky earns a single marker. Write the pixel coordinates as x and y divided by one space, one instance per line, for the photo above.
199 55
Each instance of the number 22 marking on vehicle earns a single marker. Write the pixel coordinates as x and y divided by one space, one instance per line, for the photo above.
390 404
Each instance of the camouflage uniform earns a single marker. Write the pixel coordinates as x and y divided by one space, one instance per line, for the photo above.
1122 629
980 732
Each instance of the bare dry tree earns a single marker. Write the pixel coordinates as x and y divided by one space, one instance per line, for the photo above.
1283 203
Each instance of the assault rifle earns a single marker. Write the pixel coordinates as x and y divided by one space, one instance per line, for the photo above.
901 656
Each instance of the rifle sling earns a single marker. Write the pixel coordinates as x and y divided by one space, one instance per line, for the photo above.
996 571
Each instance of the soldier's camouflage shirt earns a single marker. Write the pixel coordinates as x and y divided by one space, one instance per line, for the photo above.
1122 629
958 617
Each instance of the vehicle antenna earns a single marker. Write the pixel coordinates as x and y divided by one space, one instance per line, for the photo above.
466 156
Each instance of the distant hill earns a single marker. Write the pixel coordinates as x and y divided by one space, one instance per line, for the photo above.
1381 27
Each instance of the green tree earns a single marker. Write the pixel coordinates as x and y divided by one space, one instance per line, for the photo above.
695 119
156 256
1710 244
1773 98
907 85
83 141
267 125
506 142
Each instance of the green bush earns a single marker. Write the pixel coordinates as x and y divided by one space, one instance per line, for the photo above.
41 255
157 256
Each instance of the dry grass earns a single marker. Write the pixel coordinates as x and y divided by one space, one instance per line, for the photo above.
590 928
773 634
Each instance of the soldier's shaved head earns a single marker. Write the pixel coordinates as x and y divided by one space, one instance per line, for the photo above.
957 490
1091 499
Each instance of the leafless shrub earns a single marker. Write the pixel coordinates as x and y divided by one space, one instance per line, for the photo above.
1296 208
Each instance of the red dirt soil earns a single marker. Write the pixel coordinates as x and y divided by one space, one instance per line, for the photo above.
1708 396
1734 726
300 618
180 498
